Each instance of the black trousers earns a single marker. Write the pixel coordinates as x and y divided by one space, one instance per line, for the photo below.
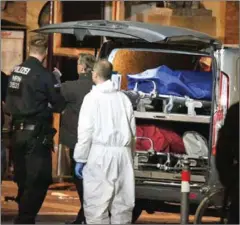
79 186
3 160
32 173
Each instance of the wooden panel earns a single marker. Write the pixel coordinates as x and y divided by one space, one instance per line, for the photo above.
57 13
56 125
118 10
57 16
12 49
15 12
114 8
72 52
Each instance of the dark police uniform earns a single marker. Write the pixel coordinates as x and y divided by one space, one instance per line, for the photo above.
30 90
74 93
4 83
227 160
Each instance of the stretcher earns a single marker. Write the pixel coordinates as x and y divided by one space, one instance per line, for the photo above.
163 80
169 101
142 104
167 162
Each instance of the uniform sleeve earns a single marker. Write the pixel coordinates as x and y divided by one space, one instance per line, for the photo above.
4 84
227 147
54 95
85 130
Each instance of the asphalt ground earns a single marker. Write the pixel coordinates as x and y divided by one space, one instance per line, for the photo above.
62 204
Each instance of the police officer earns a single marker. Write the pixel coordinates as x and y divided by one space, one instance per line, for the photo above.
33 95
227 160
74 93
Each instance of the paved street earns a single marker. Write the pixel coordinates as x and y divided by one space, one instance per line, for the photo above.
62 205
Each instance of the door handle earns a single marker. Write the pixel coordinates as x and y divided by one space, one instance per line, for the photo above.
159 117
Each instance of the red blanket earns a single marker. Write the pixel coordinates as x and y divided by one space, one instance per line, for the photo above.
163 140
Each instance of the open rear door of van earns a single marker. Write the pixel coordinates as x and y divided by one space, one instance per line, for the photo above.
136 31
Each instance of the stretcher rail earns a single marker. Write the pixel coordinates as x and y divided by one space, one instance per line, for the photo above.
170 168
173 117
161 175
177 99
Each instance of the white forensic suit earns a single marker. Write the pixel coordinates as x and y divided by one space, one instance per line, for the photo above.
106 130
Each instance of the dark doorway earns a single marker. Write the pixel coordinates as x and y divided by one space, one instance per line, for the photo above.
82 10
74 11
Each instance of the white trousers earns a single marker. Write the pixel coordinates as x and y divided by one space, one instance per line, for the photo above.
108 181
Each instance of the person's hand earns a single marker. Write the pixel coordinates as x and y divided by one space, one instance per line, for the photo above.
57 71
57 74
78 170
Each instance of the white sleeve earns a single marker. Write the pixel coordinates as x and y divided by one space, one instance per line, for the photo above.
133 125
133 129
130 114
85 130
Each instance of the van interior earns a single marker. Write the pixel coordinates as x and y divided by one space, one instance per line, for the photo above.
163 166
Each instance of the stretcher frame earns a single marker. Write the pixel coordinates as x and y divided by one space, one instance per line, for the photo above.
178 99
165 176
143 157
172 117
168 102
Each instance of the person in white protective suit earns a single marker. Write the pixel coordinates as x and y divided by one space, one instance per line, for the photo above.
104 151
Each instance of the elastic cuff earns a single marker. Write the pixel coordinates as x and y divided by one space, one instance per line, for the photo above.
81 161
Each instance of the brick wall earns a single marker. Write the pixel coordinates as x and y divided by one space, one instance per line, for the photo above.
195 19
232 23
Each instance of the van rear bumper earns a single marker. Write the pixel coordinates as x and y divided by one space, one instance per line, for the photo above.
166 193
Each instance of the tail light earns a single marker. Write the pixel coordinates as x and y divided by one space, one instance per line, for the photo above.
222 107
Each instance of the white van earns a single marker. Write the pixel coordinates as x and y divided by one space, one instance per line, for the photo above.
134 47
